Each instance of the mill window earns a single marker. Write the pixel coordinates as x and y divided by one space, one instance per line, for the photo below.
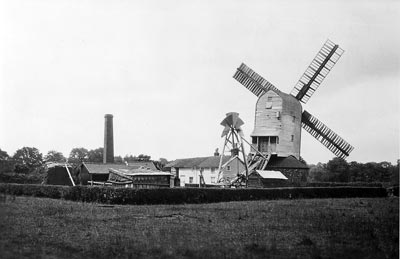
228 168
293 118
292 139
190 179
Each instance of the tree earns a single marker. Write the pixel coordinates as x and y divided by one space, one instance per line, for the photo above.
338 170
302 160
395 173
95 155
78 155
130 158
356 172
161 163
6 164
27 159
141 157
318 173
118 160
55 156
3 155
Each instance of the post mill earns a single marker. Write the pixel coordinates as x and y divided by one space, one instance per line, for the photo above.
279 116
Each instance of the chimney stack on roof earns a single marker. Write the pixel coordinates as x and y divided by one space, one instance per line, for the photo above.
108 151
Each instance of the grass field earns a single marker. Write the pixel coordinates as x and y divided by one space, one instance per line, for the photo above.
304 228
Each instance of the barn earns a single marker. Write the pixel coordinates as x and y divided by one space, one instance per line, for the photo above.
295 170
265 178
140 178
59 174
89 173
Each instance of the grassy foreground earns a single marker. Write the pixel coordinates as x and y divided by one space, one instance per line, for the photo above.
313 228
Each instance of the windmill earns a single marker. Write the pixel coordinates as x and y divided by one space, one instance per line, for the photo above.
233 143
279 116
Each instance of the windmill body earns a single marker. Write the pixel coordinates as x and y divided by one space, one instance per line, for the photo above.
277 125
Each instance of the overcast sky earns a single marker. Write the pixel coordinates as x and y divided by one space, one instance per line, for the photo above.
164 70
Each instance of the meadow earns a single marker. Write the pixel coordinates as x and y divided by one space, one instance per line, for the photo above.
303 228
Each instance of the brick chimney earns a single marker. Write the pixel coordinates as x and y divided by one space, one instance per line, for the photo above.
108 151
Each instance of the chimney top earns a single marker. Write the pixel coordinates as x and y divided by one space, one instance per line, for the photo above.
108 116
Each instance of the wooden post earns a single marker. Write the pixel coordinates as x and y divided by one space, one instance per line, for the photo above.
70 176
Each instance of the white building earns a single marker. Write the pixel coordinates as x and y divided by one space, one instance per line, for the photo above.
188 170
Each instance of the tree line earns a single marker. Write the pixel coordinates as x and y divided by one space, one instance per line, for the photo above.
339 170
29 159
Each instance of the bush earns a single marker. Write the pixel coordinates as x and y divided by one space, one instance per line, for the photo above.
112 195
21 178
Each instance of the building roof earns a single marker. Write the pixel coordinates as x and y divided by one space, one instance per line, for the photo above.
55 164
213 161
271 174
146 164
289 162
104 168
186 162
203 162
137 172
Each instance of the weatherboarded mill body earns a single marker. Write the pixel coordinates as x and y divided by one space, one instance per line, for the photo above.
277 126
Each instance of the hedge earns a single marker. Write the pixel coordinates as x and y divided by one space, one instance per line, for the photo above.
20 178
337 184
112 195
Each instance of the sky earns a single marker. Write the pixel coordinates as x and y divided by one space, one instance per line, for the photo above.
164 70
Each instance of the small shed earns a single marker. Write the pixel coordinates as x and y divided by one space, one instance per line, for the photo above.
264 179
140 178
59 174
295 170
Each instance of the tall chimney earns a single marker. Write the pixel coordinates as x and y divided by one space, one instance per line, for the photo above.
108 152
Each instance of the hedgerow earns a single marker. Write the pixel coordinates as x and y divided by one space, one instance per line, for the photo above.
112 195
337 184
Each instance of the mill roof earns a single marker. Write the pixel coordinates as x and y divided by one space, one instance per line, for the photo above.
289 162
287 97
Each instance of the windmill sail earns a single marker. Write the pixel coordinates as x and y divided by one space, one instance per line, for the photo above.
253 81
325 135
319 68
232 121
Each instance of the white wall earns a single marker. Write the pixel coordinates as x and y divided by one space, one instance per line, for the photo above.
186 173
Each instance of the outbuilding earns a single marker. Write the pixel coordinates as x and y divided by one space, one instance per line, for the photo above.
140 178
59 174
264 178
